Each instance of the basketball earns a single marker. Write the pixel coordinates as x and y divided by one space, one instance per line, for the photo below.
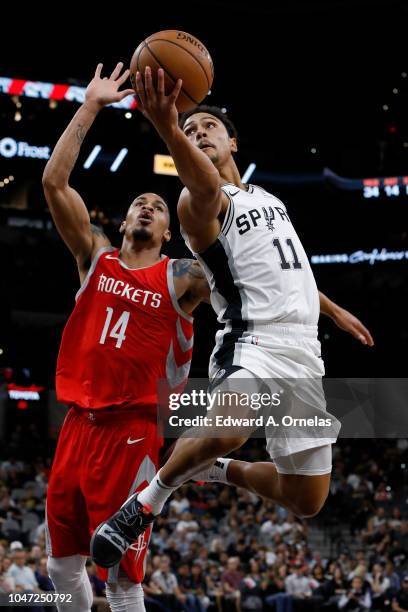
182 56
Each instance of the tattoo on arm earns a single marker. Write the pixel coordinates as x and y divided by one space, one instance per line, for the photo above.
196 271
194 274
181 266
80 133
184 266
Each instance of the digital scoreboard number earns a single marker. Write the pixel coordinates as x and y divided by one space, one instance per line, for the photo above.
390 187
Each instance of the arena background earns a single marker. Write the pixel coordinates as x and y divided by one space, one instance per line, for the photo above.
318 91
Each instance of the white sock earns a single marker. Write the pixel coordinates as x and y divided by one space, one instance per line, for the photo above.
125 596
69 576
155 494
215 473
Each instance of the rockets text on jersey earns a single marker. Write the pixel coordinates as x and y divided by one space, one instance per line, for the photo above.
126 332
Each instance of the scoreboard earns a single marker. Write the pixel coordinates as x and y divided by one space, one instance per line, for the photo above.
390 187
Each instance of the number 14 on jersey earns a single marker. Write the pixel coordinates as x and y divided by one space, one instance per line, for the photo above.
117 330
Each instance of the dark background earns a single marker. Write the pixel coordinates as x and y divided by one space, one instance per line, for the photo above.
293 75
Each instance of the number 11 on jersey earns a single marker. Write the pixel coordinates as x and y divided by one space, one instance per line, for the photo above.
118 331
284 263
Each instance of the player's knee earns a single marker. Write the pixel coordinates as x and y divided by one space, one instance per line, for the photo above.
63 569
55 569
125 595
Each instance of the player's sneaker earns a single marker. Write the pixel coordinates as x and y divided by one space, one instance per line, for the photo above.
113 537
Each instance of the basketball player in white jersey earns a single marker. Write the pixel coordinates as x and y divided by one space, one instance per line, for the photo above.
264 291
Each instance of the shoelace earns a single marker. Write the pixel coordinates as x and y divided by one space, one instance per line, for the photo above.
131 516
131 513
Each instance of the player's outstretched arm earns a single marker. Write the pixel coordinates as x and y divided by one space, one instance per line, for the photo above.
345 320
66 205
202 196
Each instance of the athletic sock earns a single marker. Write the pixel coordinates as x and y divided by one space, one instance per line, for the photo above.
215 473
155 495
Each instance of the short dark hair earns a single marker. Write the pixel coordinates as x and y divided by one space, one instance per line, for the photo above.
217 112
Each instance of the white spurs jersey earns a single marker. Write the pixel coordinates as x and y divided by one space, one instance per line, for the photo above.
257 268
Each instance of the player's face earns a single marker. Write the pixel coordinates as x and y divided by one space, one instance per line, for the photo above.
210 135
148 218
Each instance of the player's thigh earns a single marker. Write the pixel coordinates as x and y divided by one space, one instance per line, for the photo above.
123 458
235 412
67 520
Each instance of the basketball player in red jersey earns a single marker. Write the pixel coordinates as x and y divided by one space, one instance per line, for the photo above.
130 327
270 321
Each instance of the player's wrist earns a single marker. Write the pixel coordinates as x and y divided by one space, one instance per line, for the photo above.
92 106
168 133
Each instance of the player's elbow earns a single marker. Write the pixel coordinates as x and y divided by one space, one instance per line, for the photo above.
51 180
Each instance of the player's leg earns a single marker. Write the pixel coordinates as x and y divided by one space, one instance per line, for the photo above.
300 482
188 457
112 538
192 454
67 529
129 468
125 596
299 478
69 576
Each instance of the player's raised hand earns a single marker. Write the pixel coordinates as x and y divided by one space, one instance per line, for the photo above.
103 90
349 323
155 105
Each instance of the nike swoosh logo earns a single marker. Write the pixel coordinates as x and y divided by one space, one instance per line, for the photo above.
235 193
112 257
129 441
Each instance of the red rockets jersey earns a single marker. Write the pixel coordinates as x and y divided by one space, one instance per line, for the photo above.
126 332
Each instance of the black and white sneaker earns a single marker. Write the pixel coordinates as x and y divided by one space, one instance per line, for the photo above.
113 537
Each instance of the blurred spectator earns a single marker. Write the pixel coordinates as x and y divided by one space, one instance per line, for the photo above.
230 581
379 584
179 503
41 574
22 575
165 580
400 601
335 587
298 584
357 597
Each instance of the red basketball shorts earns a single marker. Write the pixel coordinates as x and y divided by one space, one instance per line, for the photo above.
101 458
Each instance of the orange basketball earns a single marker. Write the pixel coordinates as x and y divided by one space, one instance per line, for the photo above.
182 56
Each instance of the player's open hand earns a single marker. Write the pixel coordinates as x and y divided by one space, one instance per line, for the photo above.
155 105
103 90
349 323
